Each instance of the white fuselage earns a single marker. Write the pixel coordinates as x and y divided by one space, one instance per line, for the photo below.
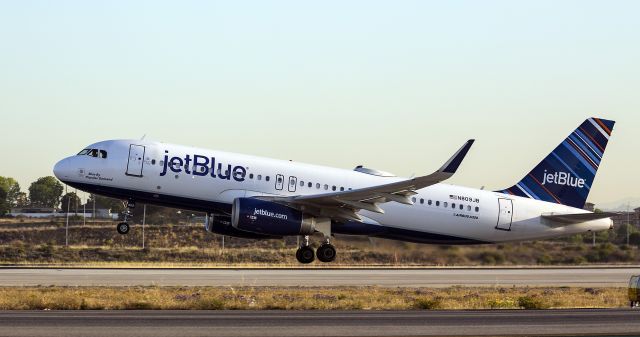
441 209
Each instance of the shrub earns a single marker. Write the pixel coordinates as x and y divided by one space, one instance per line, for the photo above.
138 305
492 258
532 303
544 259
428 304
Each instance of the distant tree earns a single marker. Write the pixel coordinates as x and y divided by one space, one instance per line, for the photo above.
634 238
45 192
4 205
621 232
73 200
11 189
115 205
22 200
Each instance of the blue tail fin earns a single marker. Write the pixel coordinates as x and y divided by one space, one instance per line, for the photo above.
566 175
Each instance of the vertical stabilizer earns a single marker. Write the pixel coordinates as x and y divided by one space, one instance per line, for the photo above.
566 175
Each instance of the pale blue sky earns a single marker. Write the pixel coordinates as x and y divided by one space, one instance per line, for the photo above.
396 85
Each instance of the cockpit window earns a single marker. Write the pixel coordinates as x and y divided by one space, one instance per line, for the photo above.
93 153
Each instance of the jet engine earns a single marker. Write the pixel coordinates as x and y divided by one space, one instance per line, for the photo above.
221 224
269 218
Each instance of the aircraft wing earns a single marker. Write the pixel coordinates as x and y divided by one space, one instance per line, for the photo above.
345 205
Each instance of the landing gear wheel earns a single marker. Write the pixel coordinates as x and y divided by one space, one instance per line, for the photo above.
326 252
305 255
123 228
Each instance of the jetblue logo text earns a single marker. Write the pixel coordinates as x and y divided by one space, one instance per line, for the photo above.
202 166
260 211
562 178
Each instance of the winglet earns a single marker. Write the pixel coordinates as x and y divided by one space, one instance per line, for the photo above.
451 166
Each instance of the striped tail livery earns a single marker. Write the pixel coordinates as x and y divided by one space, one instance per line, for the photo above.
566 175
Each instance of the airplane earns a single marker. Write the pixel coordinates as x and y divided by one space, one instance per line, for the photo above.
260 198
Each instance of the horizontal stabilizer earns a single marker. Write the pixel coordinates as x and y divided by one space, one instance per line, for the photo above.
568 219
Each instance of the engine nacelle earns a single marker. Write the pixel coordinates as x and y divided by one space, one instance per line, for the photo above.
269 218
221 224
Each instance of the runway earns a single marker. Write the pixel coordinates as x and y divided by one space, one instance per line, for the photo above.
427 277
319 323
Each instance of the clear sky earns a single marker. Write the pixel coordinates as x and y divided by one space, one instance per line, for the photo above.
395 85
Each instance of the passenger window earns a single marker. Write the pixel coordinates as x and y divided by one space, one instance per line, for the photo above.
279 180
421 201
477 209
438 203
266 178
259 176
445 204
301 183
318 185
310 185
413 199
153 161
250 175
326 187
461 207
469 208
333 188
429 202
341 188
453 205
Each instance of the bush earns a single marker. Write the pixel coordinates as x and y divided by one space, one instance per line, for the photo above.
492 258
138 305
209 304
544 259
428 304
532 303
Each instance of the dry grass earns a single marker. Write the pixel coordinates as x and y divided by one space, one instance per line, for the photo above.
303 298
40 242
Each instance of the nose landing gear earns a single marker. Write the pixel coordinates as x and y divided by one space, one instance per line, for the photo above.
123 227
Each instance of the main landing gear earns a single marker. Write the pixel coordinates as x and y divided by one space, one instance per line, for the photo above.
123 227
325 253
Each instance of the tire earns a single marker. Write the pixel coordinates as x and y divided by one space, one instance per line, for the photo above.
305 255
326 253
123 228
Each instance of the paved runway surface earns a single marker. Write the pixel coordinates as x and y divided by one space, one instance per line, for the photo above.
435 277
318 323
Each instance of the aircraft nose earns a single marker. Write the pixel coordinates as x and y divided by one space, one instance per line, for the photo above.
62 169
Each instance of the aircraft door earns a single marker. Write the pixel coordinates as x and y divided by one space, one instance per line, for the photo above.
279 182
505 214
136 160
293 181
